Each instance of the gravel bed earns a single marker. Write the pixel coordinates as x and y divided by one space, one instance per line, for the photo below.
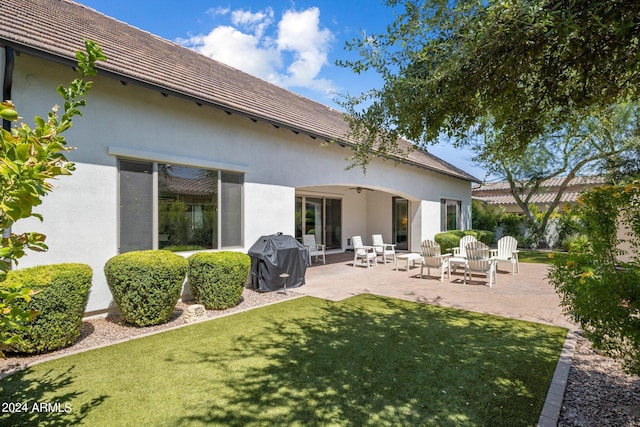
598 392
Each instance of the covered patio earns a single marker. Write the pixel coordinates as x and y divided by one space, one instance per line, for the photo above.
523 296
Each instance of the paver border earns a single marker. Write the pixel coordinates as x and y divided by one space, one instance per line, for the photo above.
553 403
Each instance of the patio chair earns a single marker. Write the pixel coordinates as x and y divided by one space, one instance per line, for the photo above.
459 256
478 261
461 250
313 248
476 245
432 258
508 251
365 253
383 249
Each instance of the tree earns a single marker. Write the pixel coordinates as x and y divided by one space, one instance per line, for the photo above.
586 146
520 68
598 281
29 159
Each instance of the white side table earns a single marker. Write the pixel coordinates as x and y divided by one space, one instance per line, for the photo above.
411 257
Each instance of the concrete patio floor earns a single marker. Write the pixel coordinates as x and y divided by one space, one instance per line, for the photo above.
525 296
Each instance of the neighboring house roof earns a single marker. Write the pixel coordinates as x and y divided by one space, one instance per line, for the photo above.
582 181
544 198
498 193
55 29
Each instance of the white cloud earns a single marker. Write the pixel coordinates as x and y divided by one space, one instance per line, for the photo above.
291 55
300 33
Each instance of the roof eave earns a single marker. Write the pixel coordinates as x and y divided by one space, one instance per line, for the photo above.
22 48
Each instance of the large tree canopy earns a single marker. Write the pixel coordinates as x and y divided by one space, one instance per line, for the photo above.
588 146
520 68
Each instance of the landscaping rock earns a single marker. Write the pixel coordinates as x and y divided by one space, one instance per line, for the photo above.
194 313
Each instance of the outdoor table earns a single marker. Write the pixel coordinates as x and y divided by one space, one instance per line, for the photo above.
408 257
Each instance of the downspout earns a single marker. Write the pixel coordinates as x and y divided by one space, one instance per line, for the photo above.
7 81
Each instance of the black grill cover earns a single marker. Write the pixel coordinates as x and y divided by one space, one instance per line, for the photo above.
276 254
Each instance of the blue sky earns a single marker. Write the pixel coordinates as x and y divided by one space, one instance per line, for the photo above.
293 44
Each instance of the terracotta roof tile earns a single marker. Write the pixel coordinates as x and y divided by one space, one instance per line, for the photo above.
57 27
553 182
508 199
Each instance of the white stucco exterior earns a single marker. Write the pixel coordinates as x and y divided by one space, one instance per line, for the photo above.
81 215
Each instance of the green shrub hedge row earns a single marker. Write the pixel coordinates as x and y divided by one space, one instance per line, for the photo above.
146 285
63 292
217 279
451 239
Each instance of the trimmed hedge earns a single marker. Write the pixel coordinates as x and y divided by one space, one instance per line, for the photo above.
217 279
146 285
63 292
451 239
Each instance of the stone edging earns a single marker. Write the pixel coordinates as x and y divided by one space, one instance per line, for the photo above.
553 403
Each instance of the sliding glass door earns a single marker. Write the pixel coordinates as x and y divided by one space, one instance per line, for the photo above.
400 220
321 217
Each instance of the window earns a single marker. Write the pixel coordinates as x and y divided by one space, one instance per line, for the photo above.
174 207
450 214
136 206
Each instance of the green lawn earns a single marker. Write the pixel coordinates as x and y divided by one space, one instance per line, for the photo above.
538 257
367 360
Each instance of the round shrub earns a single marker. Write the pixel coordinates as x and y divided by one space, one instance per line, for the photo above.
451 239
485 236
447 240
217 279
146 285
61 299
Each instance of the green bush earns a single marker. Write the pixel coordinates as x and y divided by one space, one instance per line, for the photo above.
598 286
451 239
511 224
217 279
447 240
574 242
146 285
483 216
61 299
485 236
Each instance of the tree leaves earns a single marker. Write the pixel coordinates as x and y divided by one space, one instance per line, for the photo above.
522 68
29 159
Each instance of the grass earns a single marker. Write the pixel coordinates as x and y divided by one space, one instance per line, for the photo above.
367 360
538 257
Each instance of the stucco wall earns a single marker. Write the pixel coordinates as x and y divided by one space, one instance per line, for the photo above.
81 215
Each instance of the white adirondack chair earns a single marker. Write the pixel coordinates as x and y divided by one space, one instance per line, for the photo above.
432 258
478 261
460 253
461 250
383 249
508 251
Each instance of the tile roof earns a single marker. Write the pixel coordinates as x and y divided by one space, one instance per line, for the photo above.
499 193
55 29
552 182
542 198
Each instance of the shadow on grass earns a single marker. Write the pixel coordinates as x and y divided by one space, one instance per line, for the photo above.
28 402
378 361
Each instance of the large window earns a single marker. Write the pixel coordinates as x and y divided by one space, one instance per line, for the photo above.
450 214
174 207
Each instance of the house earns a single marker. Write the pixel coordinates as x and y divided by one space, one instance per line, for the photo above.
178 151
499 193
